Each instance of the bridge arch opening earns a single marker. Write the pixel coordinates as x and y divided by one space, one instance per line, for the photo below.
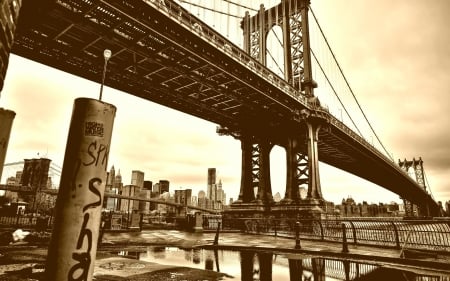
275 50
278 171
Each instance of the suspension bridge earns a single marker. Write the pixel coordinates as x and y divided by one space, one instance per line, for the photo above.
163 52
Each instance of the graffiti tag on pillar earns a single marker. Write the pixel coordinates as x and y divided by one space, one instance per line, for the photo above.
84 258
97 151
93 129
93 189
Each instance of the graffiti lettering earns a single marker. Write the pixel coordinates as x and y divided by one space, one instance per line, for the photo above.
79 271
84 259
96 153
92 187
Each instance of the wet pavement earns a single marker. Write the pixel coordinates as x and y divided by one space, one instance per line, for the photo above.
280 245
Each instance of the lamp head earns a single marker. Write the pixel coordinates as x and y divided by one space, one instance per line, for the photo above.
107 54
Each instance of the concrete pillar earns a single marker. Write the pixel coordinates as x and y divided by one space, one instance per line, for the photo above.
6 120
73 245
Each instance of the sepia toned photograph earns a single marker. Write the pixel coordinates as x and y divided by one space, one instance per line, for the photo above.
198 140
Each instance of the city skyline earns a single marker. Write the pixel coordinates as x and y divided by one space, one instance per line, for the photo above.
403 90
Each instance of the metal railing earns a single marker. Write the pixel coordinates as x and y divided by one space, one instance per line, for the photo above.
431 235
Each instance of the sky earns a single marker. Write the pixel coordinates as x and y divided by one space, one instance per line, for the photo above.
395 55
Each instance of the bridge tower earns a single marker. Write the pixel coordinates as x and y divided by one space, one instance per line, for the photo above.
301 145
413 210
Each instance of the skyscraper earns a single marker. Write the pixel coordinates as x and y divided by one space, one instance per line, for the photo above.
211 190
148 185
137 178
111 177
163 186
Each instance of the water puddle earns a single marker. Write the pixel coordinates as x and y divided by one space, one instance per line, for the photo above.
250 265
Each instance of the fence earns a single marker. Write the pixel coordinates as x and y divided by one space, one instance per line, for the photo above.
27 221
417 234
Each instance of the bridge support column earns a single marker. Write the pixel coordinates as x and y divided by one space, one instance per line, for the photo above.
264 187
246 193
255 192
314 189
296 172
302 171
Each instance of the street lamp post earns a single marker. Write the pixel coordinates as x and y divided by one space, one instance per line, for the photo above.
107 55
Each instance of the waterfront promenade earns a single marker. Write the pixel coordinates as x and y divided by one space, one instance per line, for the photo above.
30 258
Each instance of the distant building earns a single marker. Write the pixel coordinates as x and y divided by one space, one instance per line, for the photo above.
202 201
215 195
128 205
156 189
221 197
163 186
194 201
148 185
18 177
211 188
137 178
111 177
144 206
349 208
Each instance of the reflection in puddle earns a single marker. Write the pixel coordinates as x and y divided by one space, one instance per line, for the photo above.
250 265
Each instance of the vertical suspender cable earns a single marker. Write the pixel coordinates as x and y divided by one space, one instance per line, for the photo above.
228 20
213 17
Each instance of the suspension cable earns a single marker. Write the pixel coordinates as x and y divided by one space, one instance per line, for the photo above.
240 5
209 9
278 38
428 185
348 85
273 59
334 91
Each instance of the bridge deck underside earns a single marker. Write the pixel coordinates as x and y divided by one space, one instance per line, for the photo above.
160 60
